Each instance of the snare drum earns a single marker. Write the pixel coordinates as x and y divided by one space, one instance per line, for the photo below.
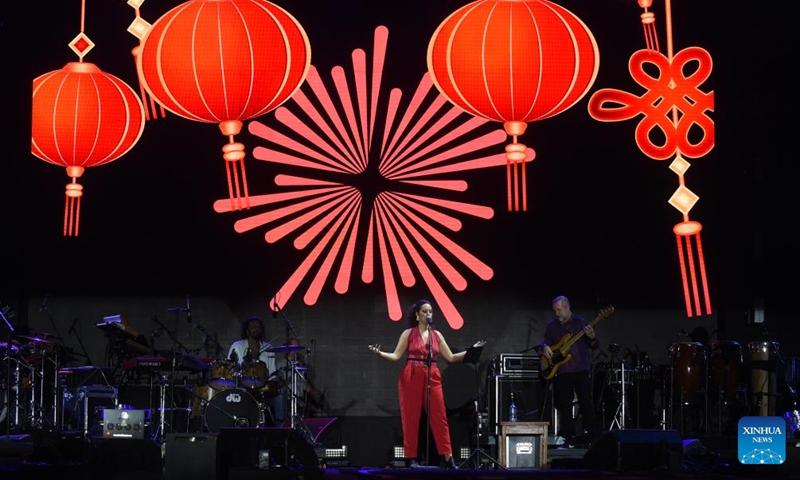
223 374
688 360
726 360
254 374
233 408
762 358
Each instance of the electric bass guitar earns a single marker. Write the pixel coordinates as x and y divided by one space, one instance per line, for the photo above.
561 355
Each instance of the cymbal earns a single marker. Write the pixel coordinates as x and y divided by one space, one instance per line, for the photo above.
4 346
34 339
43 335
285 348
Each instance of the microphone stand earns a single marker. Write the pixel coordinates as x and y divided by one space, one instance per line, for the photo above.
428 399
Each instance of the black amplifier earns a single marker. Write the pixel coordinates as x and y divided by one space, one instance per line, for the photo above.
516 365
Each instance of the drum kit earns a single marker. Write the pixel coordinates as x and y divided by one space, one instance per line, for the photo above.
238 395
700 382
29 371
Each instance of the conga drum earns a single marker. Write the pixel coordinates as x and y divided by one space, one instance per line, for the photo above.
727 358
762 358
688 360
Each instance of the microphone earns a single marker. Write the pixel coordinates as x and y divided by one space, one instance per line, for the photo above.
43 307
430 319
188 310
72 327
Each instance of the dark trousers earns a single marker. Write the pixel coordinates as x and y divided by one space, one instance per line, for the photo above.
567 386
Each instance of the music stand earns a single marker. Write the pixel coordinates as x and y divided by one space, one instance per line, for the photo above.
472 356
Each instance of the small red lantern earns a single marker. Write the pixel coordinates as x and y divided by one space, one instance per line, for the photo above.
513 61
224 61
82 117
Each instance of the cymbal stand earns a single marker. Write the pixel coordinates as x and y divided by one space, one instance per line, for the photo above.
621 413
13 402
12 398
160 434
296 422
18 395
296 389
34 410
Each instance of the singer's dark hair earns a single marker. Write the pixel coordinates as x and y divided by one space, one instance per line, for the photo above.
413 310
246 323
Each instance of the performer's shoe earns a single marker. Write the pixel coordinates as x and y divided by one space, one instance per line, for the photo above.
449 464
412 463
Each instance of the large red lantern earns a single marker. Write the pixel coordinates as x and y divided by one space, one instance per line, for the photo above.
513 61
82 117
225 61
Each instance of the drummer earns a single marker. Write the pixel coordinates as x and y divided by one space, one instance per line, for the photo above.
253 347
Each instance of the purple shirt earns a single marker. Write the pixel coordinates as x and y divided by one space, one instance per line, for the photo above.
582 349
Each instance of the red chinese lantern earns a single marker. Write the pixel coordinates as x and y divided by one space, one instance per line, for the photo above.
225 61
82 117
513 61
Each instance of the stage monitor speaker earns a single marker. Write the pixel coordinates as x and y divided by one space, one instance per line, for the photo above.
191 455
527 397
636 450
282 448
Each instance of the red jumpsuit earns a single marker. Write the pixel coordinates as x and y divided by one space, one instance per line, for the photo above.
413 386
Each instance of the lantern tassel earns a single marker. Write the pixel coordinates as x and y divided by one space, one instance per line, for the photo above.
684 233
649 25
72 208
148 102
233 153
516 181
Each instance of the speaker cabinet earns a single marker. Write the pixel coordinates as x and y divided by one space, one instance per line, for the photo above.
191 456
636 450
272 448
527 396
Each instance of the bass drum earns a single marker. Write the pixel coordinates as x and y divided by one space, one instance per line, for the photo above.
233 408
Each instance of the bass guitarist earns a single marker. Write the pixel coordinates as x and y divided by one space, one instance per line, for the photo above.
572 377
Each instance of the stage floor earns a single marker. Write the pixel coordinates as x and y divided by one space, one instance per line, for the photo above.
67 459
